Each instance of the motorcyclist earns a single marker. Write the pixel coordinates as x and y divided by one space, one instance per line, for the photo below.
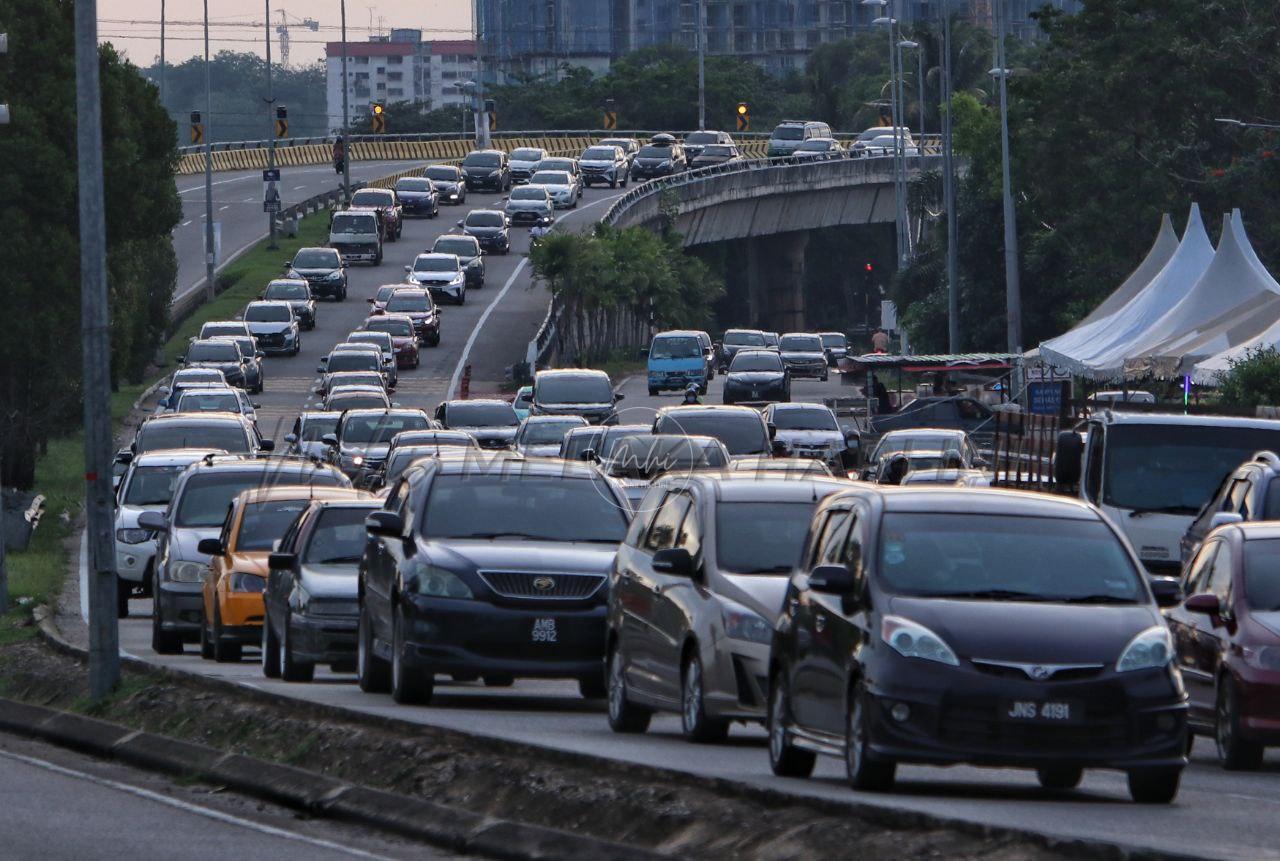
691 395
339 155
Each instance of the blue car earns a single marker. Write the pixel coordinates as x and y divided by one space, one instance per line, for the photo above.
676 361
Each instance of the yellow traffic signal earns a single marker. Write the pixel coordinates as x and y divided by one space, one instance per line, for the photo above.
744 117
378 117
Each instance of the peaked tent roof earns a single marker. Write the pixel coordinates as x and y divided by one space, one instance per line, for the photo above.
1234 300
1166 290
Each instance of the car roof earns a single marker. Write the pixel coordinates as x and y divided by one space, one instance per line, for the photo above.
554 419
709 409
745 331
173 456
469 460
293 282
570 373
238 463
1126 418
485 401
404 318
209 389
209 341
313 415
747 486
478 151
484 212
275 303
195 418
925 432
798 335
433 255
300 491
387 411
756 351
468 237
1006 503
355 346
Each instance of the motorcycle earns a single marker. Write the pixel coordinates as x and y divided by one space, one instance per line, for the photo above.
339 164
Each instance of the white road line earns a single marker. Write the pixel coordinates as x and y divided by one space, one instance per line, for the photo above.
188 807
185 223
220 208
249 200
298 187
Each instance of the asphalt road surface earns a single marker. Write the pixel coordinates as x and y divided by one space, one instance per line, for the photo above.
107 810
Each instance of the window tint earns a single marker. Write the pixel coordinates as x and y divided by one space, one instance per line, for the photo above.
287 290
196 434
519 506
744 361
373 197
264 522
339 537
411 184
317 258
417 302
442 172
268 314
666 523
435 264
1220 574
463 246
348 223
1197 572
675 347
762 537
482 159
354 361
834 535
486 219
1262 574
152 485
526 154
690 537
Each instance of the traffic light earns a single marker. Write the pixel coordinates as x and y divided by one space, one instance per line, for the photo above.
282 121
744 117
197 128
378 117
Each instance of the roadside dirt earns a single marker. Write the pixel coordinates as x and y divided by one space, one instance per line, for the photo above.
678 817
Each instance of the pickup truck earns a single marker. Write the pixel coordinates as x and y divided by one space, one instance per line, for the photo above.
357 236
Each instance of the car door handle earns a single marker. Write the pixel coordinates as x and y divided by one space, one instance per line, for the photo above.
819 623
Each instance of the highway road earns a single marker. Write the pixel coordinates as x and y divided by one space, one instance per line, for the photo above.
108 810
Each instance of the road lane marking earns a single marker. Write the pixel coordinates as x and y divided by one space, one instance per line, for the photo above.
185 223
228 206
298 187
188 807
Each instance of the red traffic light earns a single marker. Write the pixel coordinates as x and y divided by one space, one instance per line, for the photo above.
869 267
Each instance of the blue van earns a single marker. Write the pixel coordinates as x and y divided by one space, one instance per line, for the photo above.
677 359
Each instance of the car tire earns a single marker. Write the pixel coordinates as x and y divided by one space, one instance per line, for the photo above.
124 589
462 296
342 295
695 723
1154 785
408 687
223 652
785 759
377 261
163 642
270 650
862 771
624 717
824 377
417 361
1059 777
499 680
613 183
1235 752
291 669
593 688
653 393
206 643
373 673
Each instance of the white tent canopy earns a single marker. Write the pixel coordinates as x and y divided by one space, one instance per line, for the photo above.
1088 349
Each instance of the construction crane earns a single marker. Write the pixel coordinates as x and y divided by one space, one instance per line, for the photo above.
282 30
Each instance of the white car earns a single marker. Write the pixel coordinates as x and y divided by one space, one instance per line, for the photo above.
560 185
523 161
442 274
214 399
274 326
809 431
884 146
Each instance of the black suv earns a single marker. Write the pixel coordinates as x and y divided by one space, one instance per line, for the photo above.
974 626
519 591
661 156
322 268
490 228
486 168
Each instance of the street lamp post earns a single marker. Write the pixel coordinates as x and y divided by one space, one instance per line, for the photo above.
919 48
210 261
701 36
1013 289
346 115
271 125
1246 125
899 185
949 192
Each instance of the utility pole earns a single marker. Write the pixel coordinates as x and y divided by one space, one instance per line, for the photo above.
949 192
346 117
104 635
162 102
1013 288
210 260
271 124
701 36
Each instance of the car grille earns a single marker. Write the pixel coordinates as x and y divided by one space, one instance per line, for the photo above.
272 339
818 451
334 607
521 216
539 585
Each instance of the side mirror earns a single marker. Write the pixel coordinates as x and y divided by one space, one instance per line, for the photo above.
282 561
384 523
319 369
267 445
780 449
831 580
153 520
1168 592
210 547
644 351
182 360
255 405
1068 459
773 430
163 391
124 455
1205 602
618 396
258 354
290 438
288 264
981 463
591 455
1224 518
329 439
675 561
406 269
459 224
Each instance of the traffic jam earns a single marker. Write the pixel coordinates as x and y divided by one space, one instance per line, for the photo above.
778 540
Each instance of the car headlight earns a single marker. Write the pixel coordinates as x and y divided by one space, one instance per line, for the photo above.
1262 657
187 572
132 536
1149 649
333 276
302 598
242 582
664 163
355 459
493 173
912 640
743 624
442 583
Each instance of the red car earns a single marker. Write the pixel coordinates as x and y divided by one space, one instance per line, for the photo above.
1226 635
417 304
403 335
384 200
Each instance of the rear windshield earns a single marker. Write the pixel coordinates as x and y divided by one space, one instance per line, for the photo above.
287 290
409 302
206 497
354 362
264 522
442 172
339 536
213 351
463 247
349 223
761 537
818 145
194 433
152 485
485 219
564 164
519 507
373 197
717 149
527 154
268 314
701 138
801 343
753 361
380 428
546 433
341 401
741 433
402 328
834 341
744 339
675 348
411 184
208 402
482 159
600 153
575 445
573 390
463 415
788 133
648 457
317 258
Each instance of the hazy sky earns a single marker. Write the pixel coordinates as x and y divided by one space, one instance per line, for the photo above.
134 25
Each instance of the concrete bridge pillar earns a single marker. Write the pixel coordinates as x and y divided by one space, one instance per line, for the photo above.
758 281
788 288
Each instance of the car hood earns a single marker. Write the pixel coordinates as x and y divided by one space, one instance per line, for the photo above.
314 273
811 437
710 159
753 378
1030 632
802 356
449 184
525 205
369 451
591 162
412 195
650 160
520 555
1269 619
184 540
483 231
434 277
331 581
269 328
760 592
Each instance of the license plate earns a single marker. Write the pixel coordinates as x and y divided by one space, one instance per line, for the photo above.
1036 711
754 393
544 631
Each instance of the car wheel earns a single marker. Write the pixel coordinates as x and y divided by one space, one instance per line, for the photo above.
408 686
623 716
270 651
417 361
785 759
377 261
697 725
342 295
462 296
373 673
206 643
653 393
1059 776
434 342
863 772
613 183
291 669
1235 752
163 642
593 688
223 652
1155 785
124 589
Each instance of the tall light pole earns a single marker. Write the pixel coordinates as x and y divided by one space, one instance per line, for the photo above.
346 116
949 192
701 36
1013 288
210 261
919 49
899 192
162 103
95 336
271 124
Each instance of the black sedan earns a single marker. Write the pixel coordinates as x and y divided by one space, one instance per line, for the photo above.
322 268
516 592
490 228
989 627
417 197
448 182
757 377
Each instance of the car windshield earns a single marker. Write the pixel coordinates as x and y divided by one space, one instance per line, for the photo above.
648 456
894 443
572 389
317 258
152 485
816 145
547 508
810 418
462 246
575 445
264 522
546 433
400 328
373 197
317 426
524 192
717 149
761 537
701 138
834 341
788 133
196 401
205 497
744 339
599 153
350 223
381 428
213 351
622 143
477 415
411 184
416 302
485 219
741 433
268 314
482 159
550 177
1175 468
1262 574
188 376
751 361
801 344
339 536
1003 558
564 165
527 154
675 348
193 433
442 172
354 361
386 291
654 152
434 264
287 290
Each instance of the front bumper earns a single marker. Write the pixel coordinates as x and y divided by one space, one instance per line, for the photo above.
755 396
276 344
813 370
406 358
133 560
497 242
453 195
418 206
677 381
590 175
476 182
180 607
450 291
736 680
326 289
527 217
358 253
323 639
